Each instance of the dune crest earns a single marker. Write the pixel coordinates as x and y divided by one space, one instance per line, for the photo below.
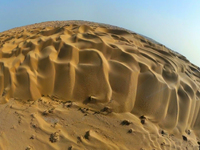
100 66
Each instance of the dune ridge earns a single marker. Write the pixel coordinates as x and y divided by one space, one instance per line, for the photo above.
100 66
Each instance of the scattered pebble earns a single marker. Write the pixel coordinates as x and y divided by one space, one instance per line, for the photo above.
142 121
33 115
87 134
34 126
83 110
70 148
28 148
130 130
51 110
162 144
107 109
54 125
163 132
90 99
184 138
142 117
96 112
79 139
68 104
54 137
45 112
32 137
188 132
125 122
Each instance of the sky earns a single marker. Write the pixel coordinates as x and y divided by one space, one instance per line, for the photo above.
173 23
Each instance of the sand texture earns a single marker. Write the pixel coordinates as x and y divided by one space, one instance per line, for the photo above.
82 85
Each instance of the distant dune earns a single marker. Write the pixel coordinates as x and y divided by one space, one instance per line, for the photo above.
83 85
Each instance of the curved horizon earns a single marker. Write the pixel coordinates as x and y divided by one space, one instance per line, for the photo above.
173 24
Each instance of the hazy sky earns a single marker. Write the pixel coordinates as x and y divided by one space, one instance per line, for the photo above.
174 23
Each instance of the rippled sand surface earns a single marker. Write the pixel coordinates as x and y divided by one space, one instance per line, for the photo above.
83 85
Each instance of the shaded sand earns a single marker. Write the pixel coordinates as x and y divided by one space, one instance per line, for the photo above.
83 85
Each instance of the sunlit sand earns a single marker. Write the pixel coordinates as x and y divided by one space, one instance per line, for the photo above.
82 85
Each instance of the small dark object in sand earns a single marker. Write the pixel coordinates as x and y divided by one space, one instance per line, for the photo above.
125 122
184 138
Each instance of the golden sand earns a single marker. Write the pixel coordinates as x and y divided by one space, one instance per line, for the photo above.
82 85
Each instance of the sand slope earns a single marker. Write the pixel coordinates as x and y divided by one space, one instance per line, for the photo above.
104 69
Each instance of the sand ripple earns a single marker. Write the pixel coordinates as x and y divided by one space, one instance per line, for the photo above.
100 66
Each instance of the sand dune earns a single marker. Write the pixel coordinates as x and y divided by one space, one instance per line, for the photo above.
72 83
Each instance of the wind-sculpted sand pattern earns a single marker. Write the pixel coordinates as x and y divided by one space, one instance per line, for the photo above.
102 67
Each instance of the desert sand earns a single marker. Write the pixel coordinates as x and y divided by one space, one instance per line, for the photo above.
73 85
